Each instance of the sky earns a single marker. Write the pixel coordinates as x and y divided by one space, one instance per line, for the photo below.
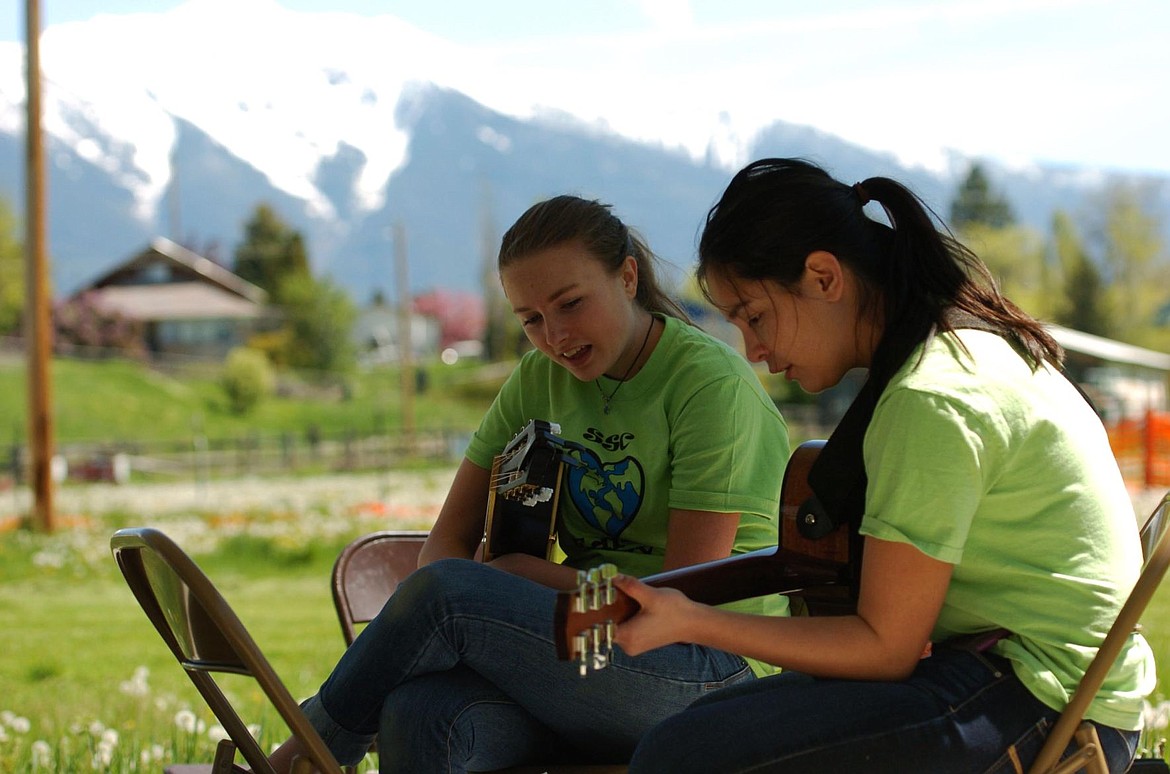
1068 82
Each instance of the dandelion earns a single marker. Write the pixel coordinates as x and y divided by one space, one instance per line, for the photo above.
137 685
1162 715
185 720
20 725
6 716
109 737
96 728
3 734
217 733
42 754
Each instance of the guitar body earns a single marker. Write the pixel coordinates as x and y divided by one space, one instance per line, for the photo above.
524 494
822 571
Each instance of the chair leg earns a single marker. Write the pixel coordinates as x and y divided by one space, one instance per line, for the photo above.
1088 757
225 757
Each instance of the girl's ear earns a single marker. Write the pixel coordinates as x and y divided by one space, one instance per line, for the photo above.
629 273
824 276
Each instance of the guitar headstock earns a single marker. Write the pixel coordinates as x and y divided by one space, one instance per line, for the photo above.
586 616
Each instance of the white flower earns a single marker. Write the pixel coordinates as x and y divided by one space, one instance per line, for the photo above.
110 737
185 720
20 725
1162 714
42 754
96 728
3 734
6 716
137 685
217 733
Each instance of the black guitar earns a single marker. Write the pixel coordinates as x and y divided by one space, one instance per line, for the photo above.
524 492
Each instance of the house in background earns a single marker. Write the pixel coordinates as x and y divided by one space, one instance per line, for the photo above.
185 304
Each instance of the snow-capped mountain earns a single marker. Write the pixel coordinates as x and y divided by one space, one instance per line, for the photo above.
180 123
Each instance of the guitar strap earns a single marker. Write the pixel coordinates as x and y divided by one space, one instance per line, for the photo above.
838 478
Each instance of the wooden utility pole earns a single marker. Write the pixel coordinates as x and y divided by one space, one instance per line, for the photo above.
37 320
405 339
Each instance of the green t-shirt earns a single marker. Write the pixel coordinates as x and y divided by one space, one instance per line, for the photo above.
1007 474
693 429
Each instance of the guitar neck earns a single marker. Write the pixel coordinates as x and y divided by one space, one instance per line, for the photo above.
754 574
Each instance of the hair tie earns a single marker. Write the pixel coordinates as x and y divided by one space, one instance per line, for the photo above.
862 195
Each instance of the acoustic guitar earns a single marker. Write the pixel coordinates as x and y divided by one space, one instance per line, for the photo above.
822 571
524 492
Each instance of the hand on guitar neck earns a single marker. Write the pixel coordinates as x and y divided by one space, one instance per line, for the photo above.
586 618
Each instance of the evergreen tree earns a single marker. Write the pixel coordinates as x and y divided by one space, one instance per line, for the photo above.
975 203
1084 304
270 253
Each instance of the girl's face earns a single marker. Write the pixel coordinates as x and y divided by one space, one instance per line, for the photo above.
810 333
574 310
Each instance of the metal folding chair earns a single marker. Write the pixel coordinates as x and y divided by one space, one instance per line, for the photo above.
368 571
208 640
1071 727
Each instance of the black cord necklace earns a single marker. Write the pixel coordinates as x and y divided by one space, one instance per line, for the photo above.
605 399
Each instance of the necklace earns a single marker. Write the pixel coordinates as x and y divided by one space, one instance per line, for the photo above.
605 399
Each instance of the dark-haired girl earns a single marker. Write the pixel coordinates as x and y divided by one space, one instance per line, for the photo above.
999 539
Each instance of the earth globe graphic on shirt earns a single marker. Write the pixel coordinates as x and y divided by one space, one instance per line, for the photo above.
607 494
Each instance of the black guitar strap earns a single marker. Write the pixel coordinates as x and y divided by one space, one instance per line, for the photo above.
837 477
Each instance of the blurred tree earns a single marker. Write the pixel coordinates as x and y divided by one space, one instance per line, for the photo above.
1084 304
270 253
320 318
976 203
11 273
1135 258
1015 256
80 322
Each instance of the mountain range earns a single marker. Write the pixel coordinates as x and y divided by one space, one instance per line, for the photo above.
168 138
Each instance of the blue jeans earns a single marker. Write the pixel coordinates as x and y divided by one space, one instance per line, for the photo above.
959 712
459 672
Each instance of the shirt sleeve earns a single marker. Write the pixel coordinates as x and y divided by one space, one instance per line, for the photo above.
926 462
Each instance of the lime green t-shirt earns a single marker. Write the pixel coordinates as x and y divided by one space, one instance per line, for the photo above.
693 429
1007 474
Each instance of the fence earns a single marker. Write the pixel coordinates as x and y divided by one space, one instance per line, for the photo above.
203 458
1142 448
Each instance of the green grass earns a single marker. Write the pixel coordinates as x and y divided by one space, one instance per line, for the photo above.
81 661
115 400
86 678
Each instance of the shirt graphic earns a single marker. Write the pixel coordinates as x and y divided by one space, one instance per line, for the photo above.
607 494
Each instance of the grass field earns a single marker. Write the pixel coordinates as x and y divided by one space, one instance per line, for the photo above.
89 686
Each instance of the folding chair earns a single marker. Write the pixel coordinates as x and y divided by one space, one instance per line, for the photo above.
367 572
1071 726
207 639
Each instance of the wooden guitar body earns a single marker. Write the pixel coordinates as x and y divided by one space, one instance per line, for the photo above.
820 570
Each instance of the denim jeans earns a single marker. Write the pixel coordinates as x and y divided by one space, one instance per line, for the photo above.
459 672
959 712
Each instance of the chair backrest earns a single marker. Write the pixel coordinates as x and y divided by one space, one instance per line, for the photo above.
368 571
1156 553
207 638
